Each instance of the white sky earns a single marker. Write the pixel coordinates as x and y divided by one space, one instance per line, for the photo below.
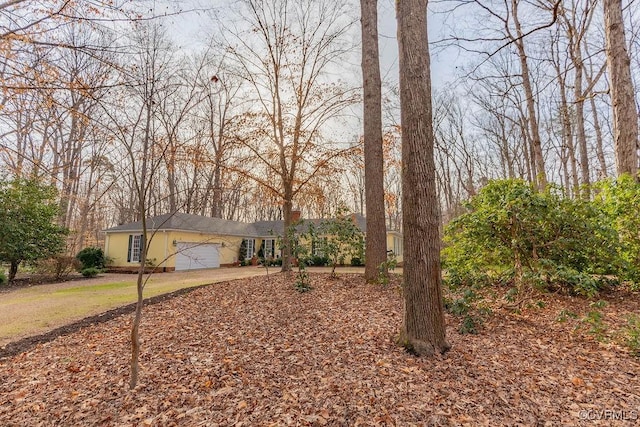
190 30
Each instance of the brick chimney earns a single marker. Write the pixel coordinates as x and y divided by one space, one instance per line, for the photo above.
295 215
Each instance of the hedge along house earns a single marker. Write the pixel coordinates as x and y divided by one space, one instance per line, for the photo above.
187 242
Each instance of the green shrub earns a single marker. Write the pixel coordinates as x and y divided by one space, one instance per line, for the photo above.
632 335
356 262
90 272
619 200
242 252
91 257
463 307
3 277
337 239
512 235
595 320
317 261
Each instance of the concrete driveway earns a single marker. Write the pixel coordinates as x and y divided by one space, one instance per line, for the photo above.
38 309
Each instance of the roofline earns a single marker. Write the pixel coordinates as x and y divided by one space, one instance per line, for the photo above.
181 230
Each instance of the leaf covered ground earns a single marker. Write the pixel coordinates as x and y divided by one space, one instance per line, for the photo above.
255 352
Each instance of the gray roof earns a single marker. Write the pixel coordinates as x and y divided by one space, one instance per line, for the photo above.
269 228
188 222
203 224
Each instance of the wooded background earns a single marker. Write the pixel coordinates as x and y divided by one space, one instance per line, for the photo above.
267 114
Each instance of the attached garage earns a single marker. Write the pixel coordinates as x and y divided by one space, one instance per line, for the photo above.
193 256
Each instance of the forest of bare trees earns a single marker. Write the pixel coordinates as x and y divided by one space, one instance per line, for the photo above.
263 114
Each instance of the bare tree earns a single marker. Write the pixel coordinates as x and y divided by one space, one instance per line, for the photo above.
285 55
133 120
423 329
625 112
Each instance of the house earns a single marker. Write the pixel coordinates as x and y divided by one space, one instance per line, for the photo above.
187 242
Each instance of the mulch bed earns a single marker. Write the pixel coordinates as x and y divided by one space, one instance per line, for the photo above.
255 352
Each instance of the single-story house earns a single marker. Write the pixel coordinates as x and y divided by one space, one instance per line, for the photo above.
187 242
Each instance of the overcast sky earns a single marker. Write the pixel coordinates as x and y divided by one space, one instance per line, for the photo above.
190 29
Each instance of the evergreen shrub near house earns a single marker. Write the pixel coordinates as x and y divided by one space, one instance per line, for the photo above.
317 260
356 262
511 234
91 257
242 253
90 272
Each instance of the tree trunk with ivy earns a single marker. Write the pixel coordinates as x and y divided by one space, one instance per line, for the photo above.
423 329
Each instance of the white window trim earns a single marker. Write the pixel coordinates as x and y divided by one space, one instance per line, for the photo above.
136 248
251 248
269 248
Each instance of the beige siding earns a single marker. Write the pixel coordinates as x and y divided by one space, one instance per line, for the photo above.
162 249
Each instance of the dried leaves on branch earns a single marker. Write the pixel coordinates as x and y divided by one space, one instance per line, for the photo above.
255 352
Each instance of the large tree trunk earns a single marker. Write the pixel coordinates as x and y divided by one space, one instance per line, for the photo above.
625 114
423 329
376 250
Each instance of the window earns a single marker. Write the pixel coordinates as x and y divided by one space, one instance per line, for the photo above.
318 245
397 246
251 247
269 248
136 247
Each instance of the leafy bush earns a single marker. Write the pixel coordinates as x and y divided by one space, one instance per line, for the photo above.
28 228
632 335
512 234
338 239
91 257
90 272
242 252
463 306
316 260
619 200
3 277
302 283
356 262
58 267
594 319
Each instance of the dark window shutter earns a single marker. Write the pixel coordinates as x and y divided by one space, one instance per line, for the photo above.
142 245
129 250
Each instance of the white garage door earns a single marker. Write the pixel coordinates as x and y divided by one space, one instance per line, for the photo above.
192 256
